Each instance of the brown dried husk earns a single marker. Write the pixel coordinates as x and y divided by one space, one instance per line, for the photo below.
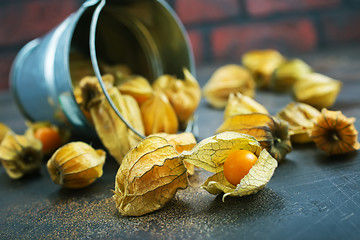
272 133
63 133
334 133
20 155
148 177
76 165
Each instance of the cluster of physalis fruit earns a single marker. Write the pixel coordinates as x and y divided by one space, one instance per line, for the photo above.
242 155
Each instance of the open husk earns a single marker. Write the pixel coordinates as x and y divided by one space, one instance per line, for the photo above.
20 155
211 153
271 132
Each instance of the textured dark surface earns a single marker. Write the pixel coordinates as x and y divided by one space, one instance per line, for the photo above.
311 196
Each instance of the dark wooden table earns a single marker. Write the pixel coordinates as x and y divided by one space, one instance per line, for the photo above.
311 196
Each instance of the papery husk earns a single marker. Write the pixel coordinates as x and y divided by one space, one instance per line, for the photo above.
272 133
300 118
148 177
138 87
76 165
286 75
4 129
83 99
262 64
184 95
181 142
113 132
335 133
211 153
225 80
317 90
64 133
20 155
130 111
158 115
241 104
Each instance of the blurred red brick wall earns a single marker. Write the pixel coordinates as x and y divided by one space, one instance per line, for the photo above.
222 30
219 30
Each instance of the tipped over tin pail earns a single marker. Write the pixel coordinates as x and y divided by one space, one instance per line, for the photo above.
145 35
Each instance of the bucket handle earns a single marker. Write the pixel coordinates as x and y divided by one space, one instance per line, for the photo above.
95 65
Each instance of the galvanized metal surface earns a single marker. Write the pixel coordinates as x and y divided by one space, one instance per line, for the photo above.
144 35
311 196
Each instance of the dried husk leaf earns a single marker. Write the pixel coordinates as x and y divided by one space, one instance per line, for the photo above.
241 104
181 142
184 95
286 75
272 133
335 133
317 90
76 165
158 115
113 132
211 153
138 87
86 98
4 129
64 134
225 80
300 118
130 110
20 155
262 64
149 177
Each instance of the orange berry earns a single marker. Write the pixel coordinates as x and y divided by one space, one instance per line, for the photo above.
237 165
49 137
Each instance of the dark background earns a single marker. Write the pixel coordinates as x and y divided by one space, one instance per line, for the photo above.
219 30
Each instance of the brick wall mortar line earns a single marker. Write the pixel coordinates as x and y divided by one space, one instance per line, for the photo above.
269 19
243 9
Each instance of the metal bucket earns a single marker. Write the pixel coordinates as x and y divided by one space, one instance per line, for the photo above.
146 35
